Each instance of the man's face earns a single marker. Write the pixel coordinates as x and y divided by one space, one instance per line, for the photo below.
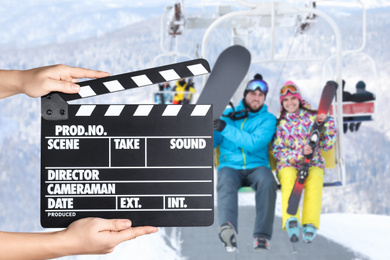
255 99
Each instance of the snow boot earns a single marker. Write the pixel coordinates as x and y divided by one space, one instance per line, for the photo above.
227 234
309 233
292 227
261 244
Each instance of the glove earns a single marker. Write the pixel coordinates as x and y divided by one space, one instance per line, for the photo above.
219 125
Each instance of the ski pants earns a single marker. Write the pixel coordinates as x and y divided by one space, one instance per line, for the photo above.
312 198
263 182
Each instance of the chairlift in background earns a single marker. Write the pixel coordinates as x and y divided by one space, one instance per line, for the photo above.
356 111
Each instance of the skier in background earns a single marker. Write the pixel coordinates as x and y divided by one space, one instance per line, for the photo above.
361 95
243 135
84 236
184 92
165 94
289 147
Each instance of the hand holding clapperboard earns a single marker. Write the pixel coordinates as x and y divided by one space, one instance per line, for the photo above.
152 164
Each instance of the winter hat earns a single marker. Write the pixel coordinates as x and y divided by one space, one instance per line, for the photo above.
290 89
361 85
256 83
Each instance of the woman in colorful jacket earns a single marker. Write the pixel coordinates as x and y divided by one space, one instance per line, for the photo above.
289 147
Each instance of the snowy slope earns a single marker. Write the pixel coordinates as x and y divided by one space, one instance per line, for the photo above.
121 36
362 233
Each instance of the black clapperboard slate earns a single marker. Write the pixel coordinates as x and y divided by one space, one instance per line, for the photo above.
152 164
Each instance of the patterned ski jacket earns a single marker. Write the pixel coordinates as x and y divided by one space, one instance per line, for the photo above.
291 136
244 142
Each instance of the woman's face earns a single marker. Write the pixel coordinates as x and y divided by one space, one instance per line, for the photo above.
291 104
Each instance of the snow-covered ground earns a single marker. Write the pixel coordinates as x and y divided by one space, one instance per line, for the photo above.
366 234
39 32
363 233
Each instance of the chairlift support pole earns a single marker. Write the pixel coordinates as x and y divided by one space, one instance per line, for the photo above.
166 52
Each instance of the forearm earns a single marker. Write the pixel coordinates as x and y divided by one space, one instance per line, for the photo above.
43 80
10 83
26 246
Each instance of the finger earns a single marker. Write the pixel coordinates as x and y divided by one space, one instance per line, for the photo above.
63 86
132 233
79 73
115 224
321 117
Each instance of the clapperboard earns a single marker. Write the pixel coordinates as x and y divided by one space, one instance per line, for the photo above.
152 164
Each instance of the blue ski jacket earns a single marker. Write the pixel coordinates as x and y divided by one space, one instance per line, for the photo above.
244 142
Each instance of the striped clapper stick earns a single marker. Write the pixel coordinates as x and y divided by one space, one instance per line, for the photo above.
152 164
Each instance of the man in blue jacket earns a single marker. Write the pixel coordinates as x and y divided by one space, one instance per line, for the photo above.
243 134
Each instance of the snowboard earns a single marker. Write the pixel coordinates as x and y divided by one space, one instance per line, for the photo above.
327 96
226 76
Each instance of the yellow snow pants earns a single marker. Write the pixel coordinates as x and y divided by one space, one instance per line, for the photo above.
312 198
